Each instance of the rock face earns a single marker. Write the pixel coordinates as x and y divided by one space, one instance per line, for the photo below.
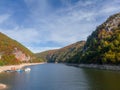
19 55
112 22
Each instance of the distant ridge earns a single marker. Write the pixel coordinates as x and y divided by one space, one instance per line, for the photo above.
64 54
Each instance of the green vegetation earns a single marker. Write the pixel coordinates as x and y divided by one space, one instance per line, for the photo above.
9 60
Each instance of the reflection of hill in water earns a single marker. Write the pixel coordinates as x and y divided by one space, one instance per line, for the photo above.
102 79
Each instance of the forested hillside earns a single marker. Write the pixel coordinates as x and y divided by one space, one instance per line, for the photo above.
103 45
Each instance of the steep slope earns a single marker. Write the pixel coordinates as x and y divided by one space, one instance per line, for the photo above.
12 52
103 45
64 54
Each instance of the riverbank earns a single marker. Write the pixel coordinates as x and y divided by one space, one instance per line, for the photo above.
95 66
104 67
15 67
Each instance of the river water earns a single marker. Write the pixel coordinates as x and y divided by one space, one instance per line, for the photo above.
61 77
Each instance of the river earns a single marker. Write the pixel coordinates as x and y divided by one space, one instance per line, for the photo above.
61 77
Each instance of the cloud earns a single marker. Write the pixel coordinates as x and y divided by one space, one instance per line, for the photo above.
46 27
76 22
23 35
110 8
4 17
38 8
41 49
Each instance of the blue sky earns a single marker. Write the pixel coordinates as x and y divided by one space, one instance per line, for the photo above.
49 24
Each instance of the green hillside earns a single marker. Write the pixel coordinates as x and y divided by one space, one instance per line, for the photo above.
103 45
10 49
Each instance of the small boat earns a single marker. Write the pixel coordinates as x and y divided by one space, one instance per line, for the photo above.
27 70
19 70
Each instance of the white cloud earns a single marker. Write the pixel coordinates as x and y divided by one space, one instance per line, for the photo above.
23 35
4 17
68 28
72 24
110 8
41 49
38 8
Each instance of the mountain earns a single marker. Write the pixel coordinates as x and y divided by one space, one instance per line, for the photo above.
103 45
12 52
64 54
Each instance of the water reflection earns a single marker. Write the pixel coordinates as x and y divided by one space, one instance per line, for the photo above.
102 79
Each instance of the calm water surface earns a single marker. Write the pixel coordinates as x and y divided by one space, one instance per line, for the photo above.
61 77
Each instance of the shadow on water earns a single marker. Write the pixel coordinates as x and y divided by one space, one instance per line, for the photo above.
102 79
73 65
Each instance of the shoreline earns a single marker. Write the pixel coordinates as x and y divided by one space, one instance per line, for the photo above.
10 67
95 66
101 67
